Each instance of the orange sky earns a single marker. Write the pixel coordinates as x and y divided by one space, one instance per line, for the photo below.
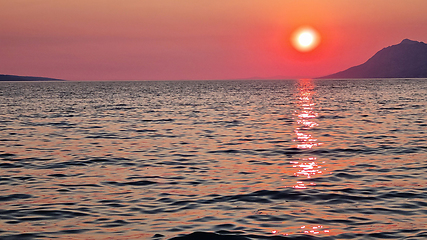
197 39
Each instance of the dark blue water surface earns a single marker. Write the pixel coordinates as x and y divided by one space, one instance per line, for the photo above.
291 159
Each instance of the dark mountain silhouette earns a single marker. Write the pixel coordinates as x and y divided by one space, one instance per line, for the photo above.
14 78
407 59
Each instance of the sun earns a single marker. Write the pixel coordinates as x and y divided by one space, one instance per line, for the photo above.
305 39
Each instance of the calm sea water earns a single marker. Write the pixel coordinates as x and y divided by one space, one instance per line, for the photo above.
305 159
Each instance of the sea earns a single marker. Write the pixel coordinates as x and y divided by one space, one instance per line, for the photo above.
282 159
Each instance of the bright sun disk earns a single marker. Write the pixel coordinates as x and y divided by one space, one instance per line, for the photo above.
305 39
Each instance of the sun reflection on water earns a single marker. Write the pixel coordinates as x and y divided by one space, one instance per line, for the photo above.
305 229
305 120
307 167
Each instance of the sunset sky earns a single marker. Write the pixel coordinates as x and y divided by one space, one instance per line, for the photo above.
197 39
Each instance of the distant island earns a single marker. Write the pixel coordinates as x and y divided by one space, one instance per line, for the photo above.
14 78
407 59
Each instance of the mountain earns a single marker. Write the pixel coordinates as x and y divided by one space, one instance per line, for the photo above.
14 78
407 59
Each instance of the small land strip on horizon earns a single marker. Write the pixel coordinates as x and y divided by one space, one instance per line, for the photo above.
15 78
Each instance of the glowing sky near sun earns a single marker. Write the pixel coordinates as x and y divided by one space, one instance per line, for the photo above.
197 39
